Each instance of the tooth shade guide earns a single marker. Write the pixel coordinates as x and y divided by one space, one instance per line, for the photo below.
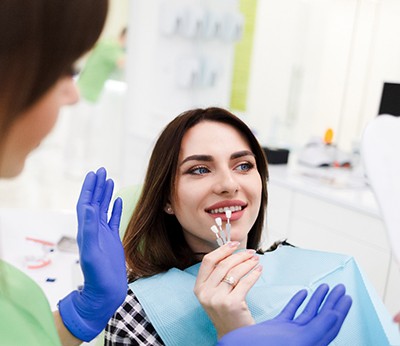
228 214
221 235
228 231
214 229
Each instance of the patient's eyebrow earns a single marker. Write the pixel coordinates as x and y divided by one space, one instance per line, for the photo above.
242 153
207 158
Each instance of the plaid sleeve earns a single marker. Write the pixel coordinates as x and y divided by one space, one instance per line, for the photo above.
130 326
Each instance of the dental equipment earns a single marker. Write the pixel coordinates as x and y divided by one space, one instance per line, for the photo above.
228 214
218 221
215 230
222 236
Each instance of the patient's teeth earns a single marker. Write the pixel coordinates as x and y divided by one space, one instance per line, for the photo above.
223 210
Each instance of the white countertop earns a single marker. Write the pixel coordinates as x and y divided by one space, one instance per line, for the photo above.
342 186
62 274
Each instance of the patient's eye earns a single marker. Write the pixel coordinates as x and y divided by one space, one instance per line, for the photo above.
199 170
245 167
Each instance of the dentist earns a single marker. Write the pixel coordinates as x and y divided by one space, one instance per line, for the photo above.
40 40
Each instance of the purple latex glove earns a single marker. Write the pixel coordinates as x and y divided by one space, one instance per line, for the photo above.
313 327
86 312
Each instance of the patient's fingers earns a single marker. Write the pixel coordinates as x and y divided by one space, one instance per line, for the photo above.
211 260
237 265
244 285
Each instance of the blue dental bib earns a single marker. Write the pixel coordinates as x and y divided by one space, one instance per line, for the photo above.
179 319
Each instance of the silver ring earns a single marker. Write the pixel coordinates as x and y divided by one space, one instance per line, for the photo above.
230 280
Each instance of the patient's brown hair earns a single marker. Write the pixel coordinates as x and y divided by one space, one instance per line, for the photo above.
154 241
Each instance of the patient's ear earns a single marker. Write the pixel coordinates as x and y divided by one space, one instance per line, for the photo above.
168 209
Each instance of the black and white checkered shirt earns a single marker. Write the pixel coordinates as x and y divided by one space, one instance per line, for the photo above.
130 326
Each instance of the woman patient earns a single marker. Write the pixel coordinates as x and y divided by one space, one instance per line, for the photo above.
190 285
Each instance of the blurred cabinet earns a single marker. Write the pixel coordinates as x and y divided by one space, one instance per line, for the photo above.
319 221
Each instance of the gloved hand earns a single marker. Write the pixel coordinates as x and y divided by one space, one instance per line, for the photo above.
85 313
312 327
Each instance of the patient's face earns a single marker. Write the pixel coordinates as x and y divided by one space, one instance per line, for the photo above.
216 169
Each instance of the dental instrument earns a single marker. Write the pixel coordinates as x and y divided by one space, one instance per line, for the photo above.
223 236
218 221
228 214
215 230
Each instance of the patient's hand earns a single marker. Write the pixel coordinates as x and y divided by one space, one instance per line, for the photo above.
225 302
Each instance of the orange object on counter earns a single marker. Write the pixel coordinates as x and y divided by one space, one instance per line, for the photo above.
328 136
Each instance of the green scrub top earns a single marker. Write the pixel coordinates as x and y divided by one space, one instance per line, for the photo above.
25 314
102 62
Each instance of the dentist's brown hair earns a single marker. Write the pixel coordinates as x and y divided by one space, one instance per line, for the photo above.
40 40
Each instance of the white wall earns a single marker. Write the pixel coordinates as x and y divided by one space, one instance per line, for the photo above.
117 18
299 67
319 64
157 67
